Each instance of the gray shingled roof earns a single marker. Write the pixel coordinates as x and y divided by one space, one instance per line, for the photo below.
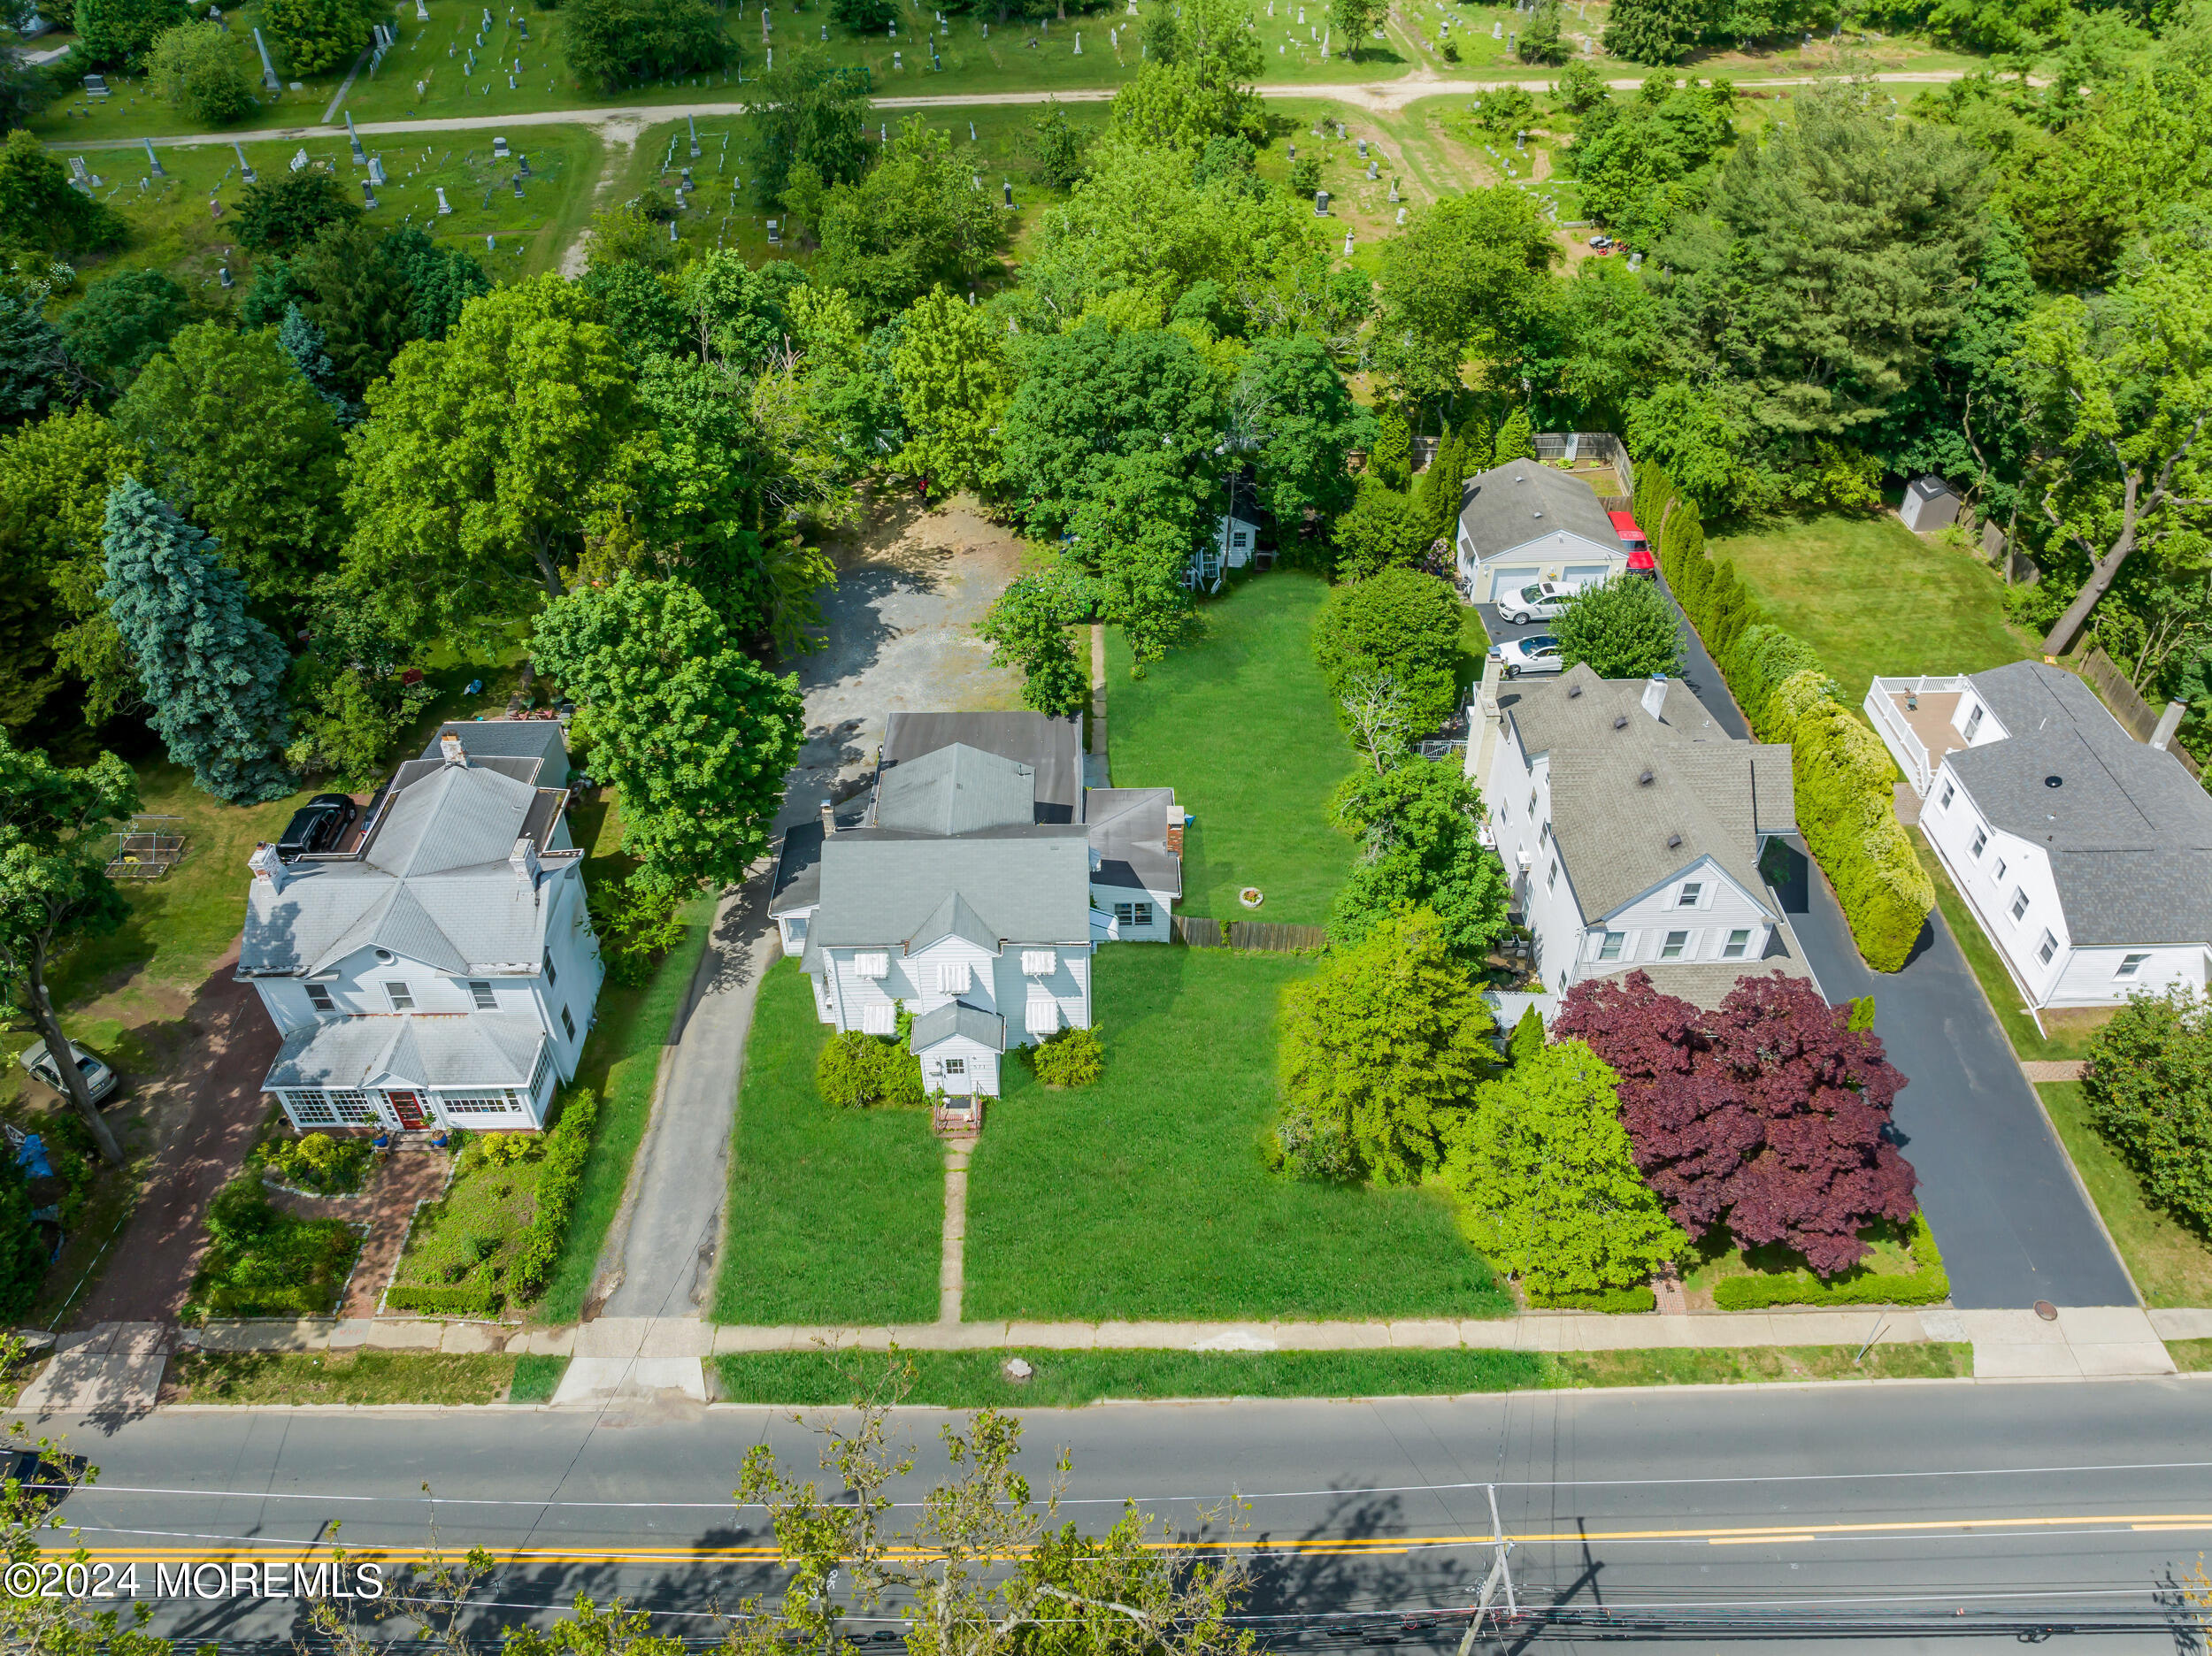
1715 795
1510 505
2128 831
798 881
540 739
1052 747
1128 829
429 1049
956 790
957 1017
433 883
1707 982
887 890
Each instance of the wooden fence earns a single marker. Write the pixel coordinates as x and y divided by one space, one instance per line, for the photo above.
2139 718
1249 934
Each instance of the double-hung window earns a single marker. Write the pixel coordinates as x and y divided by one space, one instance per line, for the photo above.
1981 841
552 977
1551 880
2047 948
318 997
402 998
1945 802
1673 947
2019 903
1738 944
1688 896
1610 945
568 1024
1974 721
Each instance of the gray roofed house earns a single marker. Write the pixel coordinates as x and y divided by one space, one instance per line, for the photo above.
545 740
1526 521
971 889
2085 855
1633 829
443 972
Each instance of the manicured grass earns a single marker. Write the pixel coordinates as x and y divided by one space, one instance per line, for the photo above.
1238 722
621 1061
536 1379
1144 1195
362 1376
835 1216
2171 1263
1873 598
2070 1030
1718 1258
2191 1356
1067 1379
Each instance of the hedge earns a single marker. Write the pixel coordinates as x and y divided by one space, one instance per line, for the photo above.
1842 774
1639 1297
567 1148
1928 1285
461 1298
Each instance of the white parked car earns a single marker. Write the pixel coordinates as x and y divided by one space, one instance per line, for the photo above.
99 1080
1537 653
1539 601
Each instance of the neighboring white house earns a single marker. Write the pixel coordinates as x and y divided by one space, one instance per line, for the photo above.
972 888
1631 828
443 972
2085 855
1526 521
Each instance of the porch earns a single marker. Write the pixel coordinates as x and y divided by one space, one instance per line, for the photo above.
412 1073
1913 716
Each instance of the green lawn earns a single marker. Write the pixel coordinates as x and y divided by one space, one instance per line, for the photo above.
1067 1379
835 1216
439 1378
2069 1029
622 1059
2171 1263
1144 1195
1238 722
1873 598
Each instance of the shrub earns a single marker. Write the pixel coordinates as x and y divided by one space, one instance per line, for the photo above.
1625 629
857 1070
1073 1058
278 214
1399 624
262 1261
1639 1298
318 1163
200 67
1756 665
2150 1087
635 930
567 1148
1930 1284
479 1299
1846 810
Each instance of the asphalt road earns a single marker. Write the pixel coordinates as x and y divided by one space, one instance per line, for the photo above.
1822 1512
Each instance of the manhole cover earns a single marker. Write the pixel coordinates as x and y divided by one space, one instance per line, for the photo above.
2045 1309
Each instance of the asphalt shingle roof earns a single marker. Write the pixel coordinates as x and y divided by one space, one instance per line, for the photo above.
441 1049
956 1018
1051 748
956 790
2128 832
885 889
1128 829
1510 505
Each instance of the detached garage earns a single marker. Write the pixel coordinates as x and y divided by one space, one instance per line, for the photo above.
1524 521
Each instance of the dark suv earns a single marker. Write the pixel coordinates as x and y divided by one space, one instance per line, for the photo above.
317 826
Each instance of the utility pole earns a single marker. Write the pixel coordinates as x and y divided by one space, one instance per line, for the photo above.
1499 1580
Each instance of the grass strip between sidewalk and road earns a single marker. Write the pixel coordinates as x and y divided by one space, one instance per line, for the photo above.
1067 1379
622 1059
2191 1356
537 1377
356 1377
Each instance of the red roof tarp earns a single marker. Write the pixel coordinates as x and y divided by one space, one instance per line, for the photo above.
1625 526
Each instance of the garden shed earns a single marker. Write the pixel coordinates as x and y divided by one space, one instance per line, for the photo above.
1930 504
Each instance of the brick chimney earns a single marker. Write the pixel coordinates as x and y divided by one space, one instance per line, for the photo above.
450 745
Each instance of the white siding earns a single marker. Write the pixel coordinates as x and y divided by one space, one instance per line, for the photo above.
981 1068
2090 977
1722 907
1161 929
1546 558
996 982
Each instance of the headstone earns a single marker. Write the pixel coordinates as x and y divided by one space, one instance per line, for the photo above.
491 242
79 175
510 83
1321 204
1078 43
775 232
1401 215
1393 189
422 12
268 69
1362 149
444 206
518 187
499 148
214 208
153 160
684 181
246 173
522 164
694 125
971 137
299 160
526 31
1371 171
1347 244
376 170
898 60
1293 152
368 196
1497 31
1635 261
671 229
354 138
96 85
1008 188
223 275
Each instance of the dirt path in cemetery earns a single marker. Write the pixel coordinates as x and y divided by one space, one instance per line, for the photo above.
618 137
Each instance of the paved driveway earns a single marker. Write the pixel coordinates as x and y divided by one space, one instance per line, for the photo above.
1997 1187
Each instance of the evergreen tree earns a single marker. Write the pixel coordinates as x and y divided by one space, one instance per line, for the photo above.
1390 462
1653 31
214 675
303 341
1514 441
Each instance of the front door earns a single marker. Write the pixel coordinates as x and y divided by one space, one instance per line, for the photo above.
407 1108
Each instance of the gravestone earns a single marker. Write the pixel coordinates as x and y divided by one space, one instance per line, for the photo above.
522 164
246 173
775 232
510 83
444 206
1362 149
268 69
223 275
81 176
422 12
299 160
1008 187
354 138
1293 152
1321 204
898 60
499 148
1347 244
1078 43
1635 261
368 196
96 85
671 229
491 243
1497 31
1393 188
1401 215
376 170
153 160
1371 171
526 31
694 126
971 137
518 187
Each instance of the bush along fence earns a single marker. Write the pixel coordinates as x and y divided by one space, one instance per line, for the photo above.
1930 1284
1842 776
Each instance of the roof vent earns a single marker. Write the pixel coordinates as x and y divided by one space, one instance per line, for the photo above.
2052 781
1573 690
1620 721
1674 842
1644 780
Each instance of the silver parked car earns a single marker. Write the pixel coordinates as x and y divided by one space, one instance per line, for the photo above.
99 1080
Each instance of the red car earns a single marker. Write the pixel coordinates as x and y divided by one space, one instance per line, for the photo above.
1640 559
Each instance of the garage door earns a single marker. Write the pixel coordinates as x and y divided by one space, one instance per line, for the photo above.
1589 571
1507 582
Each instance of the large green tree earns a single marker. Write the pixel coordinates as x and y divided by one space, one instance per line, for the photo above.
248 450
486 459
289 210
1624 628
54 825
914 220
612 43
311 37
119 33
38 208
954 385
695 735
1291 409
1400 624
200 66
1549 1181
213 674
2120 389
1379 1053
33 362
1464 280
1137 536
809 122
1418 848
123 322
2149 1084
1654 31
1029 628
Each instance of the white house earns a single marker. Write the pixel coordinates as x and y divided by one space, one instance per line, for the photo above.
972 888
442 971
1526 521
1631 828
2085 855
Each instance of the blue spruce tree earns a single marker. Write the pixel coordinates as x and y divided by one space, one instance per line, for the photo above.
303 341
214 675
